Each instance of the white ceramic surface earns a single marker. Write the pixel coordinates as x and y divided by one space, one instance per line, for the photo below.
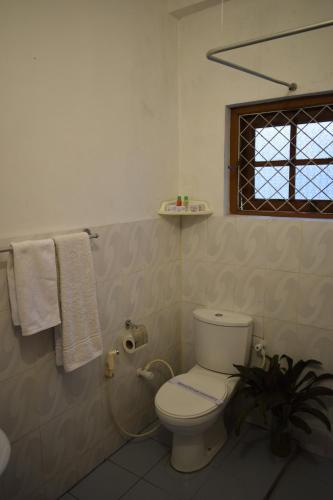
4 451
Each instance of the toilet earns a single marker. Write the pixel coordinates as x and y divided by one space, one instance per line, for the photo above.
191 405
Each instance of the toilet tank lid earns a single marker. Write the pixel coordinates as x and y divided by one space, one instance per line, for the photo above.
224 318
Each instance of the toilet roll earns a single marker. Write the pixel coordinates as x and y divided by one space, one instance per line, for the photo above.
135 340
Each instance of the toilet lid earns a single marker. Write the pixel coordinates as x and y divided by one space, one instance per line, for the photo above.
178 401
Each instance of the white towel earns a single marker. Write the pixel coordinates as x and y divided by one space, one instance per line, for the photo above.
79 339
32 283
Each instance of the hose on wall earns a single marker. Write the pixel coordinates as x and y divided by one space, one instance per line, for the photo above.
154 429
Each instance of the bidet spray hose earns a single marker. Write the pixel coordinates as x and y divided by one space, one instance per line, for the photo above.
151 431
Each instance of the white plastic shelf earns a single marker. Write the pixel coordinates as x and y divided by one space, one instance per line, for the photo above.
205 209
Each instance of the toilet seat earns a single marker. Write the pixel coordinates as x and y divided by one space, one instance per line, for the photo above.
180 402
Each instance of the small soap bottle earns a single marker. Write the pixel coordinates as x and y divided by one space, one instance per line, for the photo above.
179 201
186 203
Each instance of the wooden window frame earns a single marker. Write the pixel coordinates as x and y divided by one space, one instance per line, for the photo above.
282 208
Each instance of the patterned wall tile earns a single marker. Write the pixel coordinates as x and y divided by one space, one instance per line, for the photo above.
18 353
133 296
317 248
249 291
18 415
221 239
281 337
251 242
314 302
24 473
111 301
281 291
165 240
195 281
222 282
283 244
194 238
60 437
61 482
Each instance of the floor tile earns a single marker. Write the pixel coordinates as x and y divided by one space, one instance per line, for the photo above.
139 456
67 497
146 491
163 436
250 459
105 482
180 485
305 489
311 466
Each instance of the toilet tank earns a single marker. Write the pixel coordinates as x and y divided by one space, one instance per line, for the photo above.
222 339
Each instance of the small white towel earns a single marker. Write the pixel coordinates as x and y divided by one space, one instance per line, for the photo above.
79 339
32 283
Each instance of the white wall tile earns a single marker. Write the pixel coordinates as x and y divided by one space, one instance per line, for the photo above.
251 242
221 239
314 301
24 473
194 238
317 248
249 291
221 285
283 244
281 291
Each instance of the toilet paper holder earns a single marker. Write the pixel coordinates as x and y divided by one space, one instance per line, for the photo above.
136 339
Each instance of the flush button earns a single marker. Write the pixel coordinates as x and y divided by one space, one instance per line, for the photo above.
218 315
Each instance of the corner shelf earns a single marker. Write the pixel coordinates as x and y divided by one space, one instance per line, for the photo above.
205 211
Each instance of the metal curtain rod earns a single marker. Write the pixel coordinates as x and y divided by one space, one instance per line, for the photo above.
87 230
211 54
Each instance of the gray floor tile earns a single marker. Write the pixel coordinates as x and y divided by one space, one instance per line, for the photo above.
179 485
106 482
139 456
67 497
306 489
311 466
248 472
163 436
146 491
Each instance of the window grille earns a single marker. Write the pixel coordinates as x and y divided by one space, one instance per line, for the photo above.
282 158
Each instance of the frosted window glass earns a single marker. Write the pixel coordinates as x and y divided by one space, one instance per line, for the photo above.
314 182
272 143
271 183
314 140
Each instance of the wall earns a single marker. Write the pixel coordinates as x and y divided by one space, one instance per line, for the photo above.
59 424
88 100
88 137
207 88
278 271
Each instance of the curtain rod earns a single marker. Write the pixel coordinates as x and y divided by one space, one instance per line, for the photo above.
211 54
87 230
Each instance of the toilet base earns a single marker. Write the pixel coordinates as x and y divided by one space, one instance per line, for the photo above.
193 452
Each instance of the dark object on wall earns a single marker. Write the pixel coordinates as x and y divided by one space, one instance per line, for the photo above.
284 394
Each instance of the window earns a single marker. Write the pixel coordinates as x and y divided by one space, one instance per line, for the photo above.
281 158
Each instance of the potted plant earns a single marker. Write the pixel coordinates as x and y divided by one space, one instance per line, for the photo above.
284 394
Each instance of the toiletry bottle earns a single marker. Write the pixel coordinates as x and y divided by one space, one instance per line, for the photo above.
179 201
186 203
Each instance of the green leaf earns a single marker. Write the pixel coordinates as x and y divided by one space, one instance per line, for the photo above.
309 376
300 366
300 423
323 376
315 391
315 413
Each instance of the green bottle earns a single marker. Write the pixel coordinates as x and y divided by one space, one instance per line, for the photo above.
186 202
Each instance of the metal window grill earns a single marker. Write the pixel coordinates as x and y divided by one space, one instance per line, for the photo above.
285 160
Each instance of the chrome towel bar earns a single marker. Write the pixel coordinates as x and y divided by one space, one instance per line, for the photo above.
86 230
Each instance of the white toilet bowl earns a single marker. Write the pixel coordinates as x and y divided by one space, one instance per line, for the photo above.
191 407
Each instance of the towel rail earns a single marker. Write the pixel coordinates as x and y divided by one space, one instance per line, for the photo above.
86 230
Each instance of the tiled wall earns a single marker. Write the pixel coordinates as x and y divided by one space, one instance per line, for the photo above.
279 271
59 424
